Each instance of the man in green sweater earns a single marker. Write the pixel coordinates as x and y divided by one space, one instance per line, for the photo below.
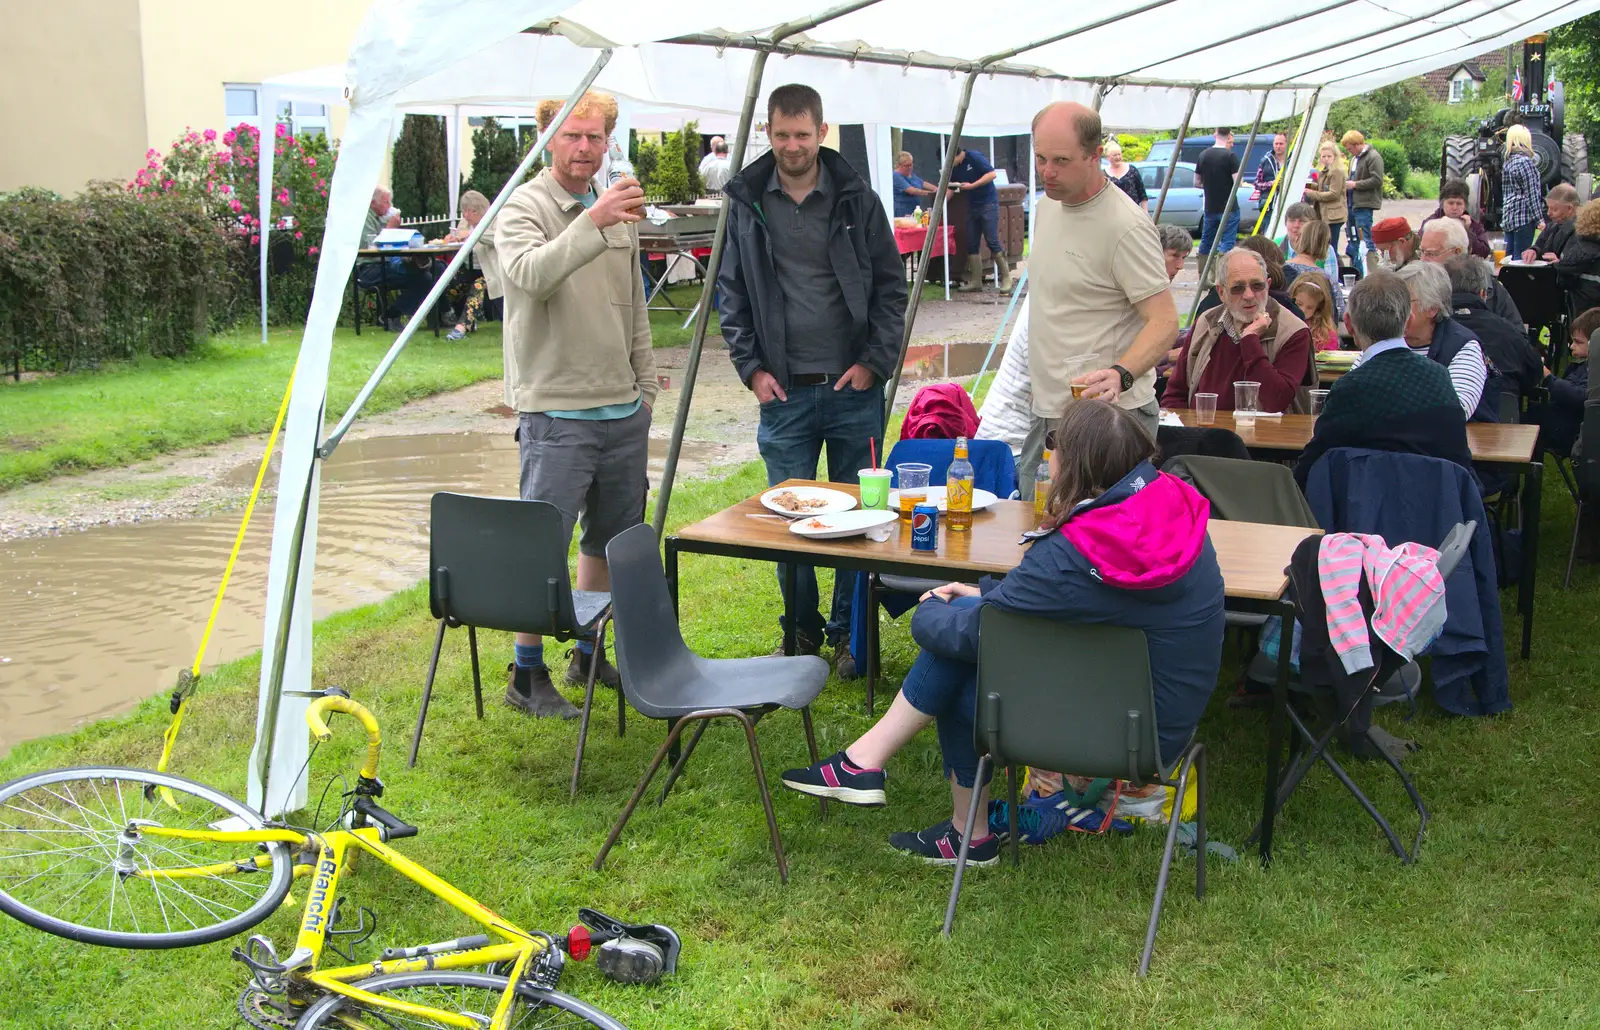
579 370
1394 399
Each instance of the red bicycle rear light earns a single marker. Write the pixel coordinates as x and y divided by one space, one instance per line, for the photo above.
578 942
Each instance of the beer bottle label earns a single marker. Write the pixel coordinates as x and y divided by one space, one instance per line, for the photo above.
958 495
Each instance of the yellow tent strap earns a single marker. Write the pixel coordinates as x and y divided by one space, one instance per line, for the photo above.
188 677
1266 204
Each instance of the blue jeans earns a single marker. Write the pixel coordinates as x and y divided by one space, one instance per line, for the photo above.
791 437
983 222
947 689
1520 239
1359 228
1209 224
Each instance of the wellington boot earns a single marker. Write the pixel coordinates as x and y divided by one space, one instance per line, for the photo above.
1004 264
974 276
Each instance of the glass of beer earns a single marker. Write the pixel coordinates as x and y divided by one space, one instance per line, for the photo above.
912 480
1499 256
1078 390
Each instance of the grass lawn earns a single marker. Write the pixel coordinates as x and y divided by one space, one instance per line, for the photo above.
1492 929
229 387
666 326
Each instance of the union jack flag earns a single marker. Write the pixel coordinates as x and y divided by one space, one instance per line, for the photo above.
1516 87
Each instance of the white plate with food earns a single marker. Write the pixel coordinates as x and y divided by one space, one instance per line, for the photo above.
981 499
841 524
807 500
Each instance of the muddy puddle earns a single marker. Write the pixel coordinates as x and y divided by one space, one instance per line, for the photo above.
949 360
94 622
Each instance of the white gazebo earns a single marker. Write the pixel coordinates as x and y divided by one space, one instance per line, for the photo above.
915 63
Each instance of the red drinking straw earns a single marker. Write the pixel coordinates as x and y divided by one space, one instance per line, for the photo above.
872 448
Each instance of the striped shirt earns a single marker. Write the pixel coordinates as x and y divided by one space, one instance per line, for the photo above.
1407 596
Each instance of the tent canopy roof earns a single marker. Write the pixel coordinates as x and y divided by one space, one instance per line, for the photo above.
901 61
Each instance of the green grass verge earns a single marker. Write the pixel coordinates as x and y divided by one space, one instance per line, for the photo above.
1491 929
231 386
666 326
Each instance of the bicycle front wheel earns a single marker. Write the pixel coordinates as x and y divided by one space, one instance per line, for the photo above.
473 995
77 860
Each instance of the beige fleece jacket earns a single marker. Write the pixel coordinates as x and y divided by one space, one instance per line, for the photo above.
576 332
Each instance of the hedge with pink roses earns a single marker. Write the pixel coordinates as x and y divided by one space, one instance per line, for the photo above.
221 172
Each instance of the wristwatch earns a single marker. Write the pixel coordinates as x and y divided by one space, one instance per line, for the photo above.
1127 377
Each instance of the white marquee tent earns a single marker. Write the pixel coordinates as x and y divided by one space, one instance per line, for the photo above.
1146 63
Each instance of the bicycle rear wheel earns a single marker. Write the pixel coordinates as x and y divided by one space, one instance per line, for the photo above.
470 994
75 860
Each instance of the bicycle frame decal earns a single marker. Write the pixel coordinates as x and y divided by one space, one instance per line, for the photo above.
317 904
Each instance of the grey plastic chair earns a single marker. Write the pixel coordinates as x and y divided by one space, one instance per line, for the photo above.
1451 551
663 679
501 563
1095 717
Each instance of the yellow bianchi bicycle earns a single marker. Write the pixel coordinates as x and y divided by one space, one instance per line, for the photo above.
130 858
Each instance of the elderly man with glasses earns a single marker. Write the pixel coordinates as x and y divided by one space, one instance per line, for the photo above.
1248 338
1443 239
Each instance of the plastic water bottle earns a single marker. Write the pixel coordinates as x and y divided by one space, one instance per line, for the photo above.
958 490
1041 488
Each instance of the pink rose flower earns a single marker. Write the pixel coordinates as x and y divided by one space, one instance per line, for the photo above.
211 135
148 154
235 206
228 138
283 130
298 235
311 250
254 240
166 184
311 162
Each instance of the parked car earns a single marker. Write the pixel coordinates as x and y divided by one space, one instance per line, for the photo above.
1194 146
1186 200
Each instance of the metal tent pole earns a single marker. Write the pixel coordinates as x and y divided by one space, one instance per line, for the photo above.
944 175
935 229
680 421
1227 209
1177 151
448 275
1302 140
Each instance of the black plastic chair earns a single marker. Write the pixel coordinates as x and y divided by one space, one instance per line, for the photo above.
1389 664
501 563
1585 483
663 679
1173 441
1097 717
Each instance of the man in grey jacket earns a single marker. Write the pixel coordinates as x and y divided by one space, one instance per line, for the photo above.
1366 192
813 300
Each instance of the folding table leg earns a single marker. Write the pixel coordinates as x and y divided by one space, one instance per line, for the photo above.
1280 704
1532 488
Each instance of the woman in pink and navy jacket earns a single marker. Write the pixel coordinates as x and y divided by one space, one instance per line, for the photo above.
1127 546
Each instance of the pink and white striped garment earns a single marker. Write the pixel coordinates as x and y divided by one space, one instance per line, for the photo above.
1407 593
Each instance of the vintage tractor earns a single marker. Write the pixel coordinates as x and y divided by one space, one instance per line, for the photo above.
1477 159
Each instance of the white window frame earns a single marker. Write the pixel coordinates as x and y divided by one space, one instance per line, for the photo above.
298 116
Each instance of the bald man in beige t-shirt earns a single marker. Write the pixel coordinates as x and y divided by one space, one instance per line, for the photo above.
1102 316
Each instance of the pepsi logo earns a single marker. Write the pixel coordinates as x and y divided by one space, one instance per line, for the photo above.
921 521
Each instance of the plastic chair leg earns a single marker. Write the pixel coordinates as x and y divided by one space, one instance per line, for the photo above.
1166 860
984 765
583 723
427 696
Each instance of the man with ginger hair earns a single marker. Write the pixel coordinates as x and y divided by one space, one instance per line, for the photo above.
578 365
1102 314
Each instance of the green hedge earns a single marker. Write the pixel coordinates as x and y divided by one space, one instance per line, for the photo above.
1396 164
105 275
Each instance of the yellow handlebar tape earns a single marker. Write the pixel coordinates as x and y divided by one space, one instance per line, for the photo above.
319 727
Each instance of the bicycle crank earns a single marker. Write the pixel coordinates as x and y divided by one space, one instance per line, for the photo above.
267 1011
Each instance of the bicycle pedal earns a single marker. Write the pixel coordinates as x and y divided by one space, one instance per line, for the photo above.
630 960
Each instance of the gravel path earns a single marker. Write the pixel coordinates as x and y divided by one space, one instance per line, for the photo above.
204 481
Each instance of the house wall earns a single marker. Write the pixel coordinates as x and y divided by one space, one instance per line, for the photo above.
192 47
72 82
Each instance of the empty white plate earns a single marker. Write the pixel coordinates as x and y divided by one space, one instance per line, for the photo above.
841 524
981 499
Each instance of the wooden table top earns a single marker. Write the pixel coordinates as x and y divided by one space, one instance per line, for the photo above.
1491 442
1252 556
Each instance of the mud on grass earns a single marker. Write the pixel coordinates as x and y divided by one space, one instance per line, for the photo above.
1493 927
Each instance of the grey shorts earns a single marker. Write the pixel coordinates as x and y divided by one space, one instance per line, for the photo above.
594 472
